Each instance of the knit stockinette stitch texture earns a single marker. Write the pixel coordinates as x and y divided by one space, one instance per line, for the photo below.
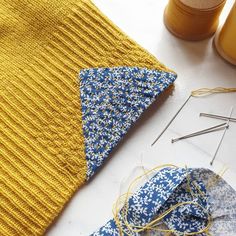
43 46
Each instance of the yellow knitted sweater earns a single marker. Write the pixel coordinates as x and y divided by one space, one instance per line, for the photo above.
43 45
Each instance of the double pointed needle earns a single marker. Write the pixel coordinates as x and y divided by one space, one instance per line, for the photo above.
218 117
222 137
204 131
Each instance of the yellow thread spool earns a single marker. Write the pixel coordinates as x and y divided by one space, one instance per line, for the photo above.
225 40
193 19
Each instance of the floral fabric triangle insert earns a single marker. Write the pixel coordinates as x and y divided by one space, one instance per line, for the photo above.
112 100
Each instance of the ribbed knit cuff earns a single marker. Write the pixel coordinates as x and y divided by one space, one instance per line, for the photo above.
42 153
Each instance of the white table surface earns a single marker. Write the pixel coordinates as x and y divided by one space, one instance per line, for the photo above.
197 65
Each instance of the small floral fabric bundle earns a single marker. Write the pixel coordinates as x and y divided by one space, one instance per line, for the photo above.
179 201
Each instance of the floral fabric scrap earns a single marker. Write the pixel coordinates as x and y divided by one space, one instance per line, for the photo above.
164 190
170 187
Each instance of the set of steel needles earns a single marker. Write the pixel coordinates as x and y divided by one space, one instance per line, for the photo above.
223 126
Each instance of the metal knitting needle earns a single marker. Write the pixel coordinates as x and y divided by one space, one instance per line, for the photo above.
204 131
199 133
213 128
170 122
221 140
218 117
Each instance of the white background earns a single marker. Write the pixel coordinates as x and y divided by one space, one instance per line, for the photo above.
197 65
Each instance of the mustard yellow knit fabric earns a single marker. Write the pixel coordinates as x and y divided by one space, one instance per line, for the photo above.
43 45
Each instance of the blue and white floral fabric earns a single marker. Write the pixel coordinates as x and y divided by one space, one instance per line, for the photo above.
165 189
112 100
171 186
222 198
